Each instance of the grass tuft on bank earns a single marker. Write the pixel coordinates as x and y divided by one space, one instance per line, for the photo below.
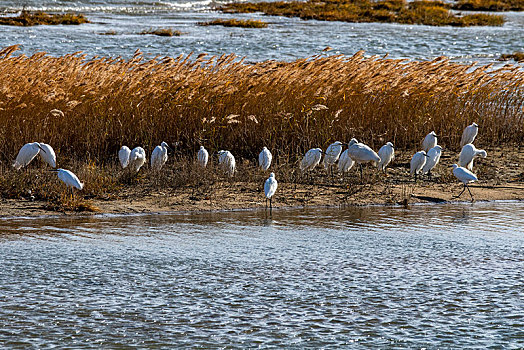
241 23
435 13
489 5
27 18
161 32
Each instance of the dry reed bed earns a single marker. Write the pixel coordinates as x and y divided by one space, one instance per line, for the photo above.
87 108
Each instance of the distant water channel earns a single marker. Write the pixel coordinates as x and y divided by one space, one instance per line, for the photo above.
284 39
439 276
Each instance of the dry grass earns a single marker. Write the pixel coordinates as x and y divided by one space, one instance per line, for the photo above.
489 5
162 32
434 13
516 56
27 18
247 23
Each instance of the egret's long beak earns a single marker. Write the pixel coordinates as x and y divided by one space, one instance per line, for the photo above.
425 155
53 170
43 150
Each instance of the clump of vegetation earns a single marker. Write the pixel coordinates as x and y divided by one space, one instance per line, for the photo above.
489 5
162 32
27 18
248 23
517 56
224 103
434 13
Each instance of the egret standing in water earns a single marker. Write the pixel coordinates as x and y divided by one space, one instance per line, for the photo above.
264 159
362 153
469 134
466 177
432 160
26 154
159 156
202 157
137 158
386 154
123 156
270 187
417 163
332 154
468 153
227 161
429 142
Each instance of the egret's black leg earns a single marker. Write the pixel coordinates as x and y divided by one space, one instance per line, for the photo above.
270 205
361 173
466 186
460 194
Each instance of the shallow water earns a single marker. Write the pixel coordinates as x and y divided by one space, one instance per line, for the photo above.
284 39
443 276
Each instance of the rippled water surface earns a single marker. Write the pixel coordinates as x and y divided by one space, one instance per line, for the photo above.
431 276
284 39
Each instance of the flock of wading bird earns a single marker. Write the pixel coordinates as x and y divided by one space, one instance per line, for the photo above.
421 163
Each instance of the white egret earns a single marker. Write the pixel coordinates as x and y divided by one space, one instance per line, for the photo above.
432 160
429 142
137 158
264 159
362 153
468 153
227 161
159 156
123 155
386 154
332 154
26 154
465 176
69 178
345 162
270 187
47 153
417 163
311 159
469 134
202 157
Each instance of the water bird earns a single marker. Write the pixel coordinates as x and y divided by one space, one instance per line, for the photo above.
47 153
264 159
123 155
429 142
202 156
433 157
466 177
362 153
417 163
227 161
26 154
137 158
386 154
270 187
311 159
345 163
469 134
332 154
69 178
468 153
159 156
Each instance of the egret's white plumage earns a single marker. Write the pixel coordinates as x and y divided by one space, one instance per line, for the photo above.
26 154
48 154
264 159
417 163
202 157
159 156
362 153
432 159
345 162
468 153
123 155
69 178
465 176
469 134
429 142
386 154
226 160
311 159
332 153
137 158
270 187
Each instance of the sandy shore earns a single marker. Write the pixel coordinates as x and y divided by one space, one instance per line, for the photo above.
501 177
